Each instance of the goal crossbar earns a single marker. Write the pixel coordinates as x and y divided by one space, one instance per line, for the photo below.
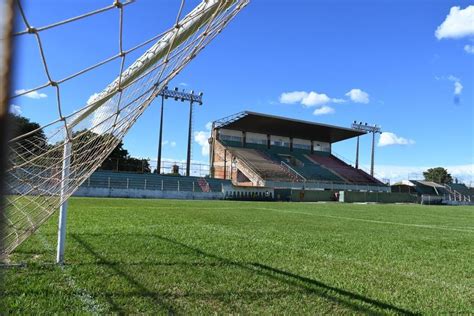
46 170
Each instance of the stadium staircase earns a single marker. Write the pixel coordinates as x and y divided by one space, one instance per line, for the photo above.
458 192
304 167
204 185
262 164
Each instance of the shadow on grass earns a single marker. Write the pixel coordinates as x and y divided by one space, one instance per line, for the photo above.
353 301
156 297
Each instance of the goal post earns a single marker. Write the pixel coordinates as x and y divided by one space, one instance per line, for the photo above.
51 162
67 150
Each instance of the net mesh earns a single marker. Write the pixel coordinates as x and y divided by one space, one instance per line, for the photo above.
49 163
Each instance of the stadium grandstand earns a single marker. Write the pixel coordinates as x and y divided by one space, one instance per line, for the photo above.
151 181
430 192
260 150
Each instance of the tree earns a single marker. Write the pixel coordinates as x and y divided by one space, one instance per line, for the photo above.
116 159
84 143
22 125
27 146
438 175
120 160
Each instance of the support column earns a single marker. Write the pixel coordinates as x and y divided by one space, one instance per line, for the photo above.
67 148
373 154
225 164
357 154
188 160
212 143
160 138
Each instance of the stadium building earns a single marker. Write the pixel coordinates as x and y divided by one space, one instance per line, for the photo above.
260 150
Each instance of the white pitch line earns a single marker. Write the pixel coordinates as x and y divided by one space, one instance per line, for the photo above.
466 230
372 221
461 288
86 298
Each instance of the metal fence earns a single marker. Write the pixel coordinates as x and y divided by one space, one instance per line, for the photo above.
146 165
137 181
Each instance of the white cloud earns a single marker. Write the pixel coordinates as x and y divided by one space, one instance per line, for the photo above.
104 116
457 85
324 110
335 100
32 94
387 139
458 23
202 138
453 78
15 109
92 98
293 97
184 84
308 99
314 98
358 96
170 143
457 88
469 49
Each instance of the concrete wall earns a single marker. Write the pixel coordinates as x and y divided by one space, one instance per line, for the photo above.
148 194
296 195
222 161
312 196
379 197
327 186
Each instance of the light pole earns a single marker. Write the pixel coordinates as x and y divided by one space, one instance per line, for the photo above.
374 129
357 153
190 128
160 140
181 96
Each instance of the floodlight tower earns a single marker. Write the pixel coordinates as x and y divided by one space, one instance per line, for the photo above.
178 96
374 129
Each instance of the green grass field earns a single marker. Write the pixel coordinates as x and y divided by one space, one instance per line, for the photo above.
189 257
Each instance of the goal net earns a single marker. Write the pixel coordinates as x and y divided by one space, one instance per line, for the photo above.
48 163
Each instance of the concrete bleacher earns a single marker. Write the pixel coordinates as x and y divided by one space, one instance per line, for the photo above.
317 166
347 172
150 181
301 164
462 189
261 163
428 188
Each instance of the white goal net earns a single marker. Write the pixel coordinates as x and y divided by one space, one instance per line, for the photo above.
49 163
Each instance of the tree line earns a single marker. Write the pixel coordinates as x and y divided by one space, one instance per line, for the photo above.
36 143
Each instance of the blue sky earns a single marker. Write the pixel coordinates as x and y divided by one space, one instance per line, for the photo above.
326 61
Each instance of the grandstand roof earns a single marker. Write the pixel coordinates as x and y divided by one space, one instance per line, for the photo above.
275 125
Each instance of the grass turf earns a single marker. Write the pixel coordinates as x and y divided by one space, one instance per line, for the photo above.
187 257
